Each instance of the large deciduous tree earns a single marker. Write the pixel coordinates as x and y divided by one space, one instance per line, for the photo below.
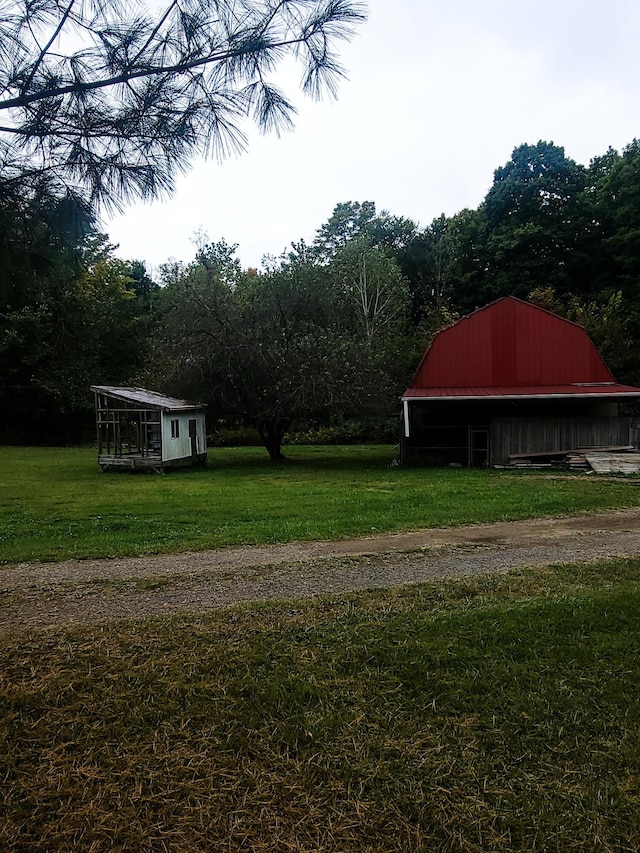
533 220
373 291
616 196
357 226
301 342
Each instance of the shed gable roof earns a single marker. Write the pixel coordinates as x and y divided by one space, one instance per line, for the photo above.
511 348
145 398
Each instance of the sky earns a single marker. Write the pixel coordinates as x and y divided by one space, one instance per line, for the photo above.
439 93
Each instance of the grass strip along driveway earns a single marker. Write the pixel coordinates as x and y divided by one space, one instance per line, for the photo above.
55 505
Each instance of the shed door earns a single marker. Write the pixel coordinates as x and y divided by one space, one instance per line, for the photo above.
193 435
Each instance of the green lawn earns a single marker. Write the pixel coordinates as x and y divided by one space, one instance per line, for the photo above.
491 714
55 504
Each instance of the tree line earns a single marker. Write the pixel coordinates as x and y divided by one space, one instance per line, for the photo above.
330 330
103 102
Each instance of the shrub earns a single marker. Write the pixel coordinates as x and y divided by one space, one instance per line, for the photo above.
366 431
234 437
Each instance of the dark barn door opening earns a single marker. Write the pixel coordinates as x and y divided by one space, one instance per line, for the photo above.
479 446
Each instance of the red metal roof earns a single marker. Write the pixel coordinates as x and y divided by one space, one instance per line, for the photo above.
511 348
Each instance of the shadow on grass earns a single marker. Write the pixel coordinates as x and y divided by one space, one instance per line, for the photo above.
335 458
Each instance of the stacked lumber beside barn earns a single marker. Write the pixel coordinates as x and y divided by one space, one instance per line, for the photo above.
603 460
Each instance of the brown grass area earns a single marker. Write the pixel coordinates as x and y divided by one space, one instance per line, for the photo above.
490 714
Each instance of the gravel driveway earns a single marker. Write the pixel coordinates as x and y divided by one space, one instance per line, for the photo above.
86 591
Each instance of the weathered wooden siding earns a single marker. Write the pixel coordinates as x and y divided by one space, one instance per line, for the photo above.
547 435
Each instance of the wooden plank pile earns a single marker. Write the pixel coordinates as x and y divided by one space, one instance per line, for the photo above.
614 463
544 459
576 460
603 460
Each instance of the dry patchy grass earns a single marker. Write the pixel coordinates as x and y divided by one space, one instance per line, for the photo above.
490 714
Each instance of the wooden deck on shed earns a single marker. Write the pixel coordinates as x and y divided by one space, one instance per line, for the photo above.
146 462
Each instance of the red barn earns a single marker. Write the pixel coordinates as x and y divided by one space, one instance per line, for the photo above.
510 379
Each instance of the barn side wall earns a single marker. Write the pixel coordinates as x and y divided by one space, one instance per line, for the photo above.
550 435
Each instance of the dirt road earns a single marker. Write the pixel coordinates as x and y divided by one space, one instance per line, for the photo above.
84 591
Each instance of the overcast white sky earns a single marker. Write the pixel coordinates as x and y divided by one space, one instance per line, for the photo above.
439 94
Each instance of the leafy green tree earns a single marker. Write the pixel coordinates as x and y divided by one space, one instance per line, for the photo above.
374 292
294 344
533 219
68 325
429 262
103 101
617 207
604 292
539 183
36 233
454 266
354 228
615 255
144 287
351 219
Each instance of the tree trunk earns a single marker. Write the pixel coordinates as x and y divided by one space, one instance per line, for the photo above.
272 431
274 449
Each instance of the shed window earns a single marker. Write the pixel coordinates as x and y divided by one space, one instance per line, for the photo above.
175 429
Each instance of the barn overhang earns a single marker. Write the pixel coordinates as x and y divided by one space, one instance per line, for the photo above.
579 391
585 390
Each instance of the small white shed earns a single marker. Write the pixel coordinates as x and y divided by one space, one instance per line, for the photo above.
142 429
